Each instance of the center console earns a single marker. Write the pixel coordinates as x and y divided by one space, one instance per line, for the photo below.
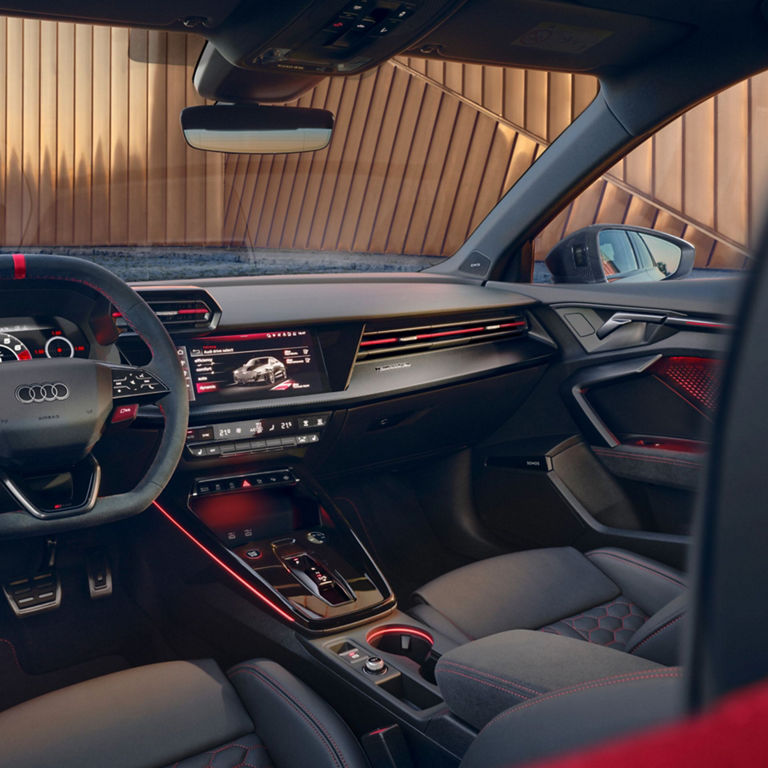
281 537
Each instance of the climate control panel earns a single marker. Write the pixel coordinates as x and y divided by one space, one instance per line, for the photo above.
236 438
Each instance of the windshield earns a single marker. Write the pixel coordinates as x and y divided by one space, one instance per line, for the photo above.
95 164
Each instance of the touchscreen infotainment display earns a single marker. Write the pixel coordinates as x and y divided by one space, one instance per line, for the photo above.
253 366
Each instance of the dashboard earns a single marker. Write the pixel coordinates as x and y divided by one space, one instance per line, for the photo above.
319 368
334 372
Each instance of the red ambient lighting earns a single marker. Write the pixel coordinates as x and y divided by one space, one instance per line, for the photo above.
440 334
374 634
224 566
697 379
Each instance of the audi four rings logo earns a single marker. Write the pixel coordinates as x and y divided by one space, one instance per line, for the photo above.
42 393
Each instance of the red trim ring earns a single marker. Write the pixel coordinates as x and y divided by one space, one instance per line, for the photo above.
374 634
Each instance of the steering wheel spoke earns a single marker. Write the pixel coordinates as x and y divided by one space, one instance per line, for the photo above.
37 495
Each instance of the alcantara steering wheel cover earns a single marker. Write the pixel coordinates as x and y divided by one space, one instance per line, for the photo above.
175 405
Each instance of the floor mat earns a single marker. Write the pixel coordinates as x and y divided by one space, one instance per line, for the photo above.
18 685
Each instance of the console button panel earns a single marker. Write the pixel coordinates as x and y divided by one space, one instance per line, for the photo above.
256 435
252 481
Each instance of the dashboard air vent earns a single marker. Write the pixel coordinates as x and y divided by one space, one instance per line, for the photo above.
390 342
179 309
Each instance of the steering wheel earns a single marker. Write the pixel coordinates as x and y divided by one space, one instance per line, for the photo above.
53 411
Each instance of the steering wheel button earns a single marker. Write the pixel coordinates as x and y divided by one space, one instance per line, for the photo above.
124 413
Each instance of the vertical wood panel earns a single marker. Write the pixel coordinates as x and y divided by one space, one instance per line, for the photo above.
14 183
31 129
699 163
157 150
83 157
731 113
177 76
118 100
3 143
668 165
100 145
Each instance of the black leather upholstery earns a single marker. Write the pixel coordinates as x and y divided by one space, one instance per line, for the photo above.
180 714
608 597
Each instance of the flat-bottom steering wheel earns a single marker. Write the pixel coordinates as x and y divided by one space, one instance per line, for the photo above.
53 411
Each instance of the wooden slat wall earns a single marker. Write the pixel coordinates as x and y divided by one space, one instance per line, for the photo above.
421 153
90 147
91 154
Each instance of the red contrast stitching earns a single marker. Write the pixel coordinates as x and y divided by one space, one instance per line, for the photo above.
638 564
602 683
313 724
488 674
474 679
660 629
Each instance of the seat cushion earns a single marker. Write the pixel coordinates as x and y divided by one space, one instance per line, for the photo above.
180 714
607 597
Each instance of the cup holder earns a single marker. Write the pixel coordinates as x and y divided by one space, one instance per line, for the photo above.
410 642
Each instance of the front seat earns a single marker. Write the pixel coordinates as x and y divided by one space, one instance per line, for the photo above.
182 714
609 596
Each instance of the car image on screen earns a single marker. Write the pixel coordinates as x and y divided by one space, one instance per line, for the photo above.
259 370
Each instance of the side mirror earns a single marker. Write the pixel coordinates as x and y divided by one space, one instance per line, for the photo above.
605 253
250 128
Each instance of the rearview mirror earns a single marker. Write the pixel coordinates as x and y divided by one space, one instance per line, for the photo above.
605 253
253 129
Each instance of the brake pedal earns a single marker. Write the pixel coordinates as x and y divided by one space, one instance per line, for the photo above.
34 594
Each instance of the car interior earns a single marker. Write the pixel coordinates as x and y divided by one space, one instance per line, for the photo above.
403 519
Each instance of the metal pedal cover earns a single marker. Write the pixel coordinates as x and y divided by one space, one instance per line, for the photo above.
34 594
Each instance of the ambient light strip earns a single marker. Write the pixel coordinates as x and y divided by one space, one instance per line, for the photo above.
440 334
223 565
399 630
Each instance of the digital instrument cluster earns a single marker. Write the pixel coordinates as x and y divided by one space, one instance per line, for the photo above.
29 339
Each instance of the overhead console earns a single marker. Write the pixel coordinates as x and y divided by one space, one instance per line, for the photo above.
325 38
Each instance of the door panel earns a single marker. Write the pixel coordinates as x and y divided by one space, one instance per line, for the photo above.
625 467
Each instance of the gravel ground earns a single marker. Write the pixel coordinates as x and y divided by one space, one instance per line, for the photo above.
174 263
166 263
